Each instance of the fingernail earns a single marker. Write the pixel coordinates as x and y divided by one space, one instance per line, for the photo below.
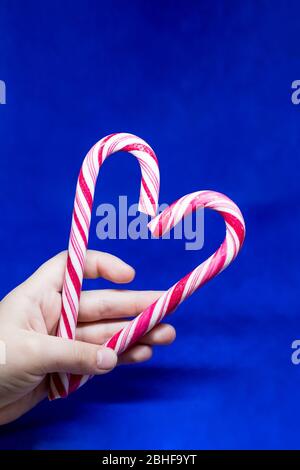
106 358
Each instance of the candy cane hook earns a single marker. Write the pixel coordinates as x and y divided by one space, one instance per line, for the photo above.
60 383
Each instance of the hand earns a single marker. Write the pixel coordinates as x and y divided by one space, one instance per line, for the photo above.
28 322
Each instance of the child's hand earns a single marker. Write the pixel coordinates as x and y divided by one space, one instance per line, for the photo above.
28 321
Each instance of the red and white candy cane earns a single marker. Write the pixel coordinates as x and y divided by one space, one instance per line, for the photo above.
62 384
152 315
227 252
235 234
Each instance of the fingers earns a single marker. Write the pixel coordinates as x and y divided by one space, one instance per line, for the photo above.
100 332
112 303
54 354
97 264
100 264
138 353
162 334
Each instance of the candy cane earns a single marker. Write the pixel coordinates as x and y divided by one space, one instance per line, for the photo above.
62 384
216 263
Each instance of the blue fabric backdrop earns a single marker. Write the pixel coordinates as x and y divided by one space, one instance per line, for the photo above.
208 85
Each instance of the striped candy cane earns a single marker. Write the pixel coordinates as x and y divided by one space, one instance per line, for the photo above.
235 234
227 252
62 384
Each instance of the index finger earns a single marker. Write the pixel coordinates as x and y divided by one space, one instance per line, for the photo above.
97 264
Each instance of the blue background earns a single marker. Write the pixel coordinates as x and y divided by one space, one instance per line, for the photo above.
208 85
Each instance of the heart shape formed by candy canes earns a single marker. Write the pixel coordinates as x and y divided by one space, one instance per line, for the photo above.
62 384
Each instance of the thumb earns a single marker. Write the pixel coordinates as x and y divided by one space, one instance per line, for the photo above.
75 357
